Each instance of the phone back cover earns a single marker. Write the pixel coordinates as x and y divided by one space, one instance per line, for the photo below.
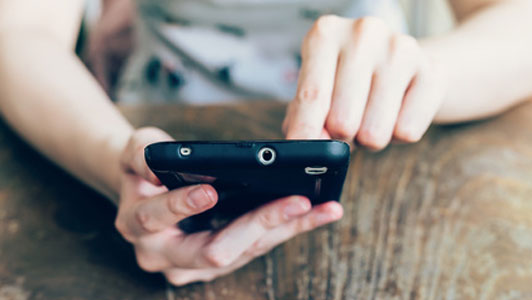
242 182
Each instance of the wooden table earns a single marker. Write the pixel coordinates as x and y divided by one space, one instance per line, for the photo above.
447 218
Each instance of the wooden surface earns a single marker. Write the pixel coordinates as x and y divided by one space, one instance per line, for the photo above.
447 218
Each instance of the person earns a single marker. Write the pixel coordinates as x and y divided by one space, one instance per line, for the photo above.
361 78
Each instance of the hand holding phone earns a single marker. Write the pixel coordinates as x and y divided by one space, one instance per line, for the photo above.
248 174
148 213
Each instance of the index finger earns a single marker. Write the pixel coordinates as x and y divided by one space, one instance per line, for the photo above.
308 111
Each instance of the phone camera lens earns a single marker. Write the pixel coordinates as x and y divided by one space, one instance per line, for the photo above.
266 156
185 151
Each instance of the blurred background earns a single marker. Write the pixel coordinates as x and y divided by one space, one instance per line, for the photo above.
106 37
427 17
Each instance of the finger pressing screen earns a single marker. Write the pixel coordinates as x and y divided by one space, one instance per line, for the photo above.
351 90
316 80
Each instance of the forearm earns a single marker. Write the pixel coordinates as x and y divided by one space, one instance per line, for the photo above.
47 96
487 61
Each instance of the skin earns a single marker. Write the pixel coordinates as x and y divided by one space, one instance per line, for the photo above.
362 82
148 213
359 81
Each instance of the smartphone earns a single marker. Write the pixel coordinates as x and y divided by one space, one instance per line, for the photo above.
247 174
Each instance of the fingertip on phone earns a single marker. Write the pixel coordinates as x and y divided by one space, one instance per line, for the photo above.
334 208
156 180
328 212
210 191
299 134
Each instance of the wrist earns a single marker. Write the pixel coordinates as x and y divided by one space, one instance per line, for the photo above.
114 146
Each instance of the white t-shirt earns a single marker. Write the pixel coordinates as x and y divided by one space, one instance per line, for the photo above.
205 51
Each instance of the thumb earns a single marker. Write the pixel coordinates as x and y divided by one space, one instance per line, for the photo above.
133 159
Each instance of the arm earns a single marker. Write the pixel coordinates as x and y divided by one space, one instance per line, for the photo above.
360 81
48 96
51 100
487 58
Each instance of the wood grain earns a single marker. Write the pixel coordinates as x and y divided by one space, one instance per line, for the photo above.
447 218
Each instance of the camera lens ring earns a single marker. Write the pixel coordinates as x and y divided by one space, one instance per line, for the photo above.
266 156
185 151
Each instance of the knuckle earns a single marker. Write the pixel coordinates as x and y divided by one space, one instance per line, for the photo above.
215 258
173 204
403 46
302 226
408 135
372 139
308 94
268 219
144 219
325 25
369 25
340 128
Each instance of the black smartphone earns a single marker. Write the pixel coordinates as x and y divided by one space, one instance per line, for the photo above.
247 174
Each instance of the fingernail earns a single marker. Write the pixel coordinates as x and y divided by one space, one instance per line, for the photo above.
200 197
296 209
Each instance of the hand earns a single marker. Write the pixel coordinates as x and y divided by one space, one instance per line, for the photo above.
359 81
148 213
